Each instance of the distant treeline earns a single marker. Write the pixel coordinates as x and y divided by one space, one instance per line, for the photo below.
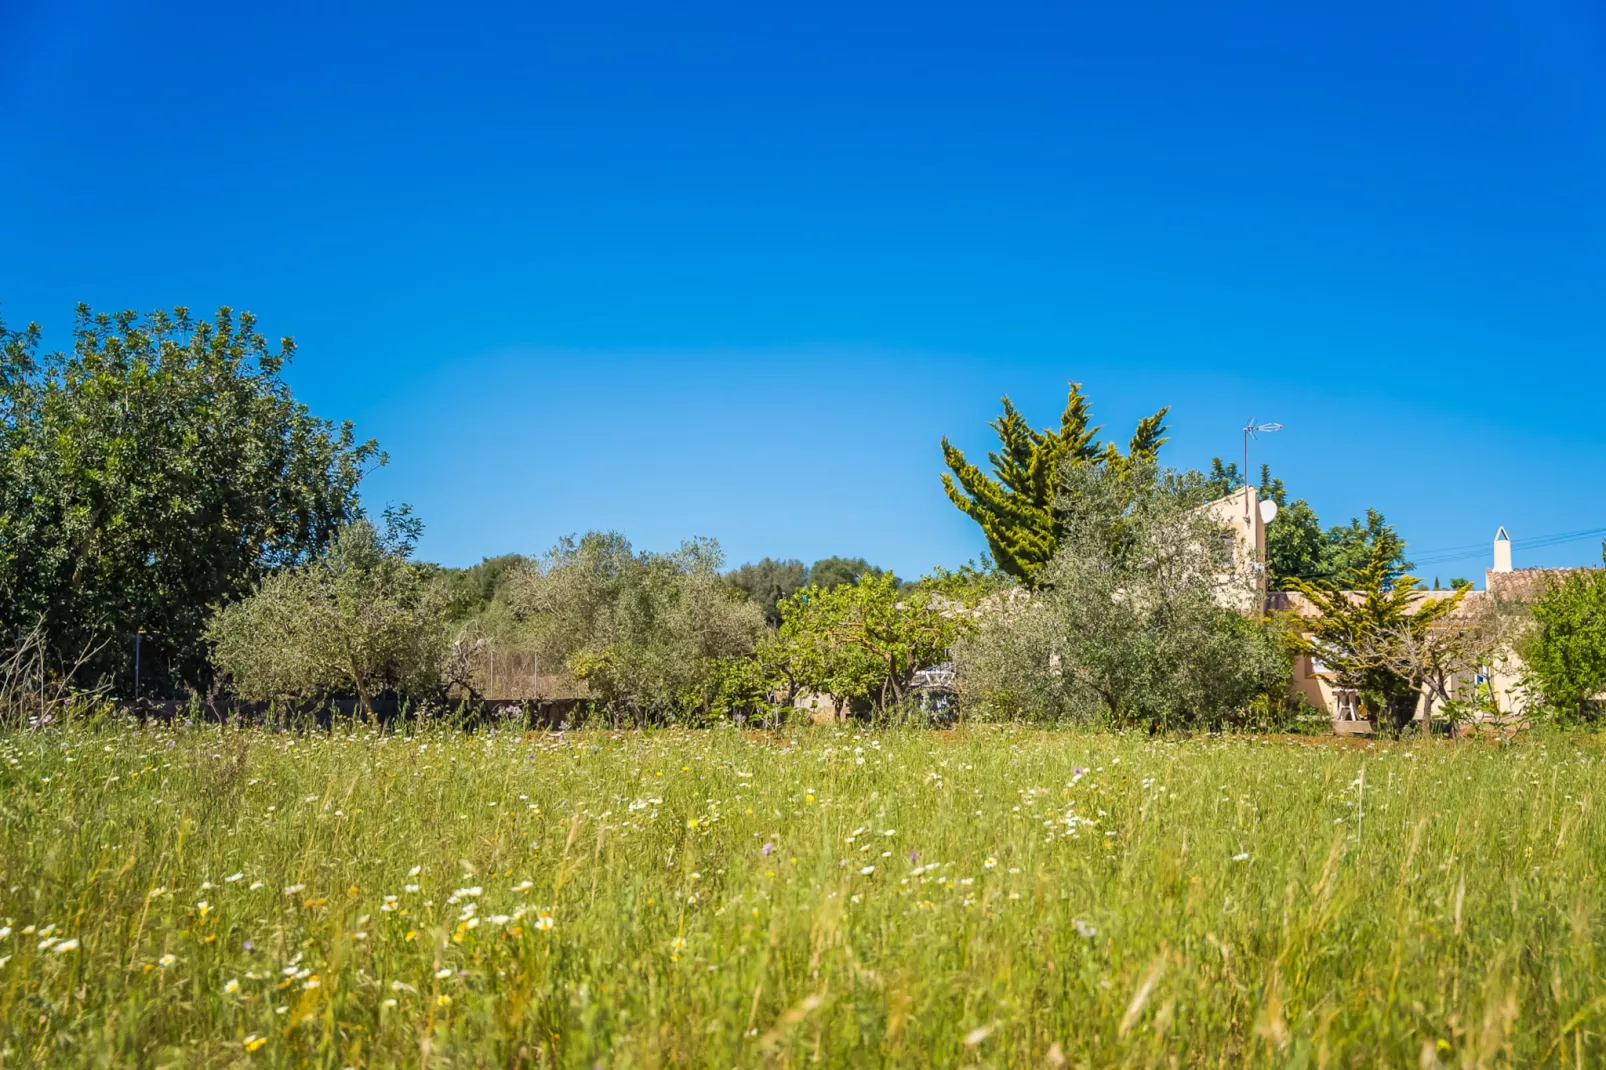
482 590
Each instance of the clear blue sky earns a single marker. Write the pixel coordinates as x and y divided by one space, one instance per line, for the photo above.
699 270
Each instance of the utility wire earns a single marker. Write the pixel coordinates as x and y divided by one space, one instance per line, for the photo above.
1461 553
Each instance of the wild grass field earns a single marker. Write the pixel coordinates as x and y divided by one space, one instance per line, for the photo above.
196 897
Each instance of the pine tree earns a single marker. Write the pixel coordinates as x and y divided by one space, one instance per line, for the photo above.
1014 506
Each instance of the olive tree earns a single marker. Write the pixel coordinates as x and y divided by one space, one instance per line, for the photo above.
1129 623
648 632
360 619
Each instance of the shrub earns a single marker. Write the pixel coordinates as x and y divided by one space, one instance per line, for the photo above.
360 619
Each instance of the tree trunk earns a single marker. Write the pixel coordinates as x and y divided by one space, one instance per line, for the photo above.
1400 707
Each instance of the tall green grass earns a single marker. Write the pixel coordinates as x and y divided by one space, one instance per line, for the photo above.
195 898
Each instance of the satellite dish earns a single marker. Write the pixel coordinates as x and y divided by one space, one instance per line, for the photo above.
1268 511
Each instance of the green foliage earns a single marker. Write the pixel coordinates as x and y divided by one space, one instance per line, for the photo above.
1129 625
1297 548
649 633
1566 656
1294 540
1353 548
768 581
1372 630
864 642
1015 506
833 572
360 619
479 599
158 469
471 591
1222 479
747 687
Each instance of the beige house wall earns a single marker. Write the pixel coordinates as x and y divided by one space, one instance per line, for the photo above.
1243 588
1503 677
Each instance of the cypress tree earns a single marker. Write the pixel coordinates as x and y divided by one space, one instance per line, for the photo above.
1015 506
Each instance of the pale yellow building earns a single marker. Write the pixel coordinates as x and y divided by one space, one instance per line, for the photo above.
1498 608
1243 517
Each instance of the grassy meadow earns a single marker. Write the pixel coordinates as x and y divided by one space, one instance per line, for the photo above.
991 896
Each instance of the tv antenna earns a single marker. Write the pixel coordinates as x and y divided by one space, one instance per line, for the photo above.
1253 430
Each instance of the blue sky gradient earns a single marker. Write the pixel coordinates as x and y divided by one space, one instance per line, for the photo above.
717 270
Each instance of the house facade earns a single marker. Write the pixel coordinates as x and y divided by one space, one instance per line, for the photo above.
1497 684
1243 517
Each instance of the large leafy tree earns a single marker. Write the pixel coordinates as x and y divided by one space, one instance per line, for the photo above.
1350 548
479 598
1374 629
31 545
1295 543
470 590
833 572
768 581
160 467
1015 505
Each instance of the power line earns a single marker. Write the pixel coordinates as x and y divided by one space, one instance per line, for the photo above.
1460 553
1554 540
1538 540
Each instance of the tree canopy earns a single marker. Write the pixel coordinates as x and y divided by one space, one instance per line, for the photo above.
1015 505
1297 547
767 582
470 590
359 619
862 642
832 572
1566 656
1130 625
160 467
648 632
770 582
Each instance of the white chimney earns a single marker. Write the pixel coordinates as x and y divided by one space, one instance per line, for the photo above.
1502 551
